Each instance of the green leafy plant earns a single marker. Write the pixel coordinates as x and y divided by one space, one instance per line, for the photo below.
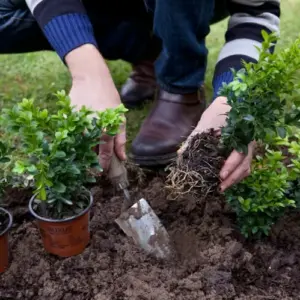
8 156
291 146
272 187
56 150
260 96
264 100
261 199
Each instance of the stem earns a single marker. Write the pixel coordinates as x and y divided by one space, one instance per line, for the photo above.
44 208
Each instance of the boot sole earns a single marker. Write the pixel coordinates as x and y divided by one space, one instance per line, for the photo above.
153 161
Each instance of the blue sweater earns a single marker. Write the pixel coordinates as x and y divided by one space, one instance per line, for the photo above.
66 25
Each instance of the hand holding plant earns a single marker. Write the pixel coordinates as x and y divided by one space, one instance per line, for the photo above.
93 87
237 166
262 100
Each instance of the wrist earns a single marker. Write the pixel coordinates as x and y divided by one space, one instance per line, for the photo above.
221 100
85 62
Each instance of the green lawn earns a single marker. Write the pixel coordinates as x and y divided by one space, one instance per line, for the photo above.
39 75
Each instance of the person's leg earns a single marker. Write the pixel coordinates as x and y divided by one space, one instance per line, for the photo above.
182 25
220 11
122 31
141 84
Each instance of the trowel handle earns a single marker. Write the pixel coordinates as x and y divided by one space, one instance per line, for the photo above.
117 173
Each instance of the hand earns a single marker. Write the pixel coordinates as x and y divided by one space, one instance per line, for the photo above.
237 166
214 117
92 86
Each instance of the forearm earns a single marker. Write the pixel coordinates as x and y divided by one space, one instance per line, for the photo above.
243 34
69 31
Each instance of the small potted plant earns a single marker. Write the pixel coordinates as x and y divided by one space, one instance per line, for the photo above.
5 216
57 156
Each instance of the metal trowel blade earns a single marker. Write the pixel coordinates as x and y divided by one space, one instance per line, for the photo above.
142 224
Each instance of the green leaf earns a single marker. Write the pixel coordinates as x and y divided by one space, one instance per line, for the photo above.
4 159
80 204
44 114
254 229
242 149
281 132
73 168
66 201
31 169
19 168
91 179
51 201
59 187
45 146
60 154
249 118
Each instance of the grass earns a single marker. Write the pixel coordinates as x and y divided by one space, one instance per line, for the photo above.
39 75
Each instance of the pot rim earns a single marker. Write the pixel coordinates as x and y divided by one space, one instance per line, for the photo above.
9 223
59 220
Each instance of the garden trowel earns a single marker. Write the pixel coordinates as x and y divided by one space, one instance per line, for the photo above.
138 220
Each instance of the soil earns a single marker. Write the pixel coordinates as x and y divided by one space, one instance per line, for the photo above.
212 260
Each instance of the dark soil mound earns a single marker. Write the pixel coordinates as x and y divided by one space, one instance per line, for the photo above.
213 261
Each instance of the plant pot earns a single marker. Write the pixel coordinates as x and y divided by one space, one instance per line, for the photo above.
4 248
66 237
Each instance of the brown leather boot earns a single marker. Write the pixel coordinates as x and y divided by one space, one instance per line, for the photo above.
140 85
168 125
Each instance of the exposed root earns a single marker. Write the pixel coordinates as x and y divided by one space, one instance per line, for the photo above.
196 171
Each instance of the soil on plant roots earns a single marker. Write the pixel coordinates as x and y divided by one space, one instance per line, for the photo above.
212 260
197 171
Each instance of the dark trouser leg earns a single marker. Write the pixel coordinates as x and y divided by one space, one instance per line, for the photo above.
122 29
182 26
181 66
220 11
141 84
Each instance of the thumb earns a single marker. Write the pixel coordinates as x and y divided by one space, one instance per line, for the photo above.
120 143
106 151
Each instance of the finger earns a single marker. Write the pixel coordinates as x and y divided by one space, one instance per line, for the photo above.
184 146
237 176
106 151
241 172
120 143
232 162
